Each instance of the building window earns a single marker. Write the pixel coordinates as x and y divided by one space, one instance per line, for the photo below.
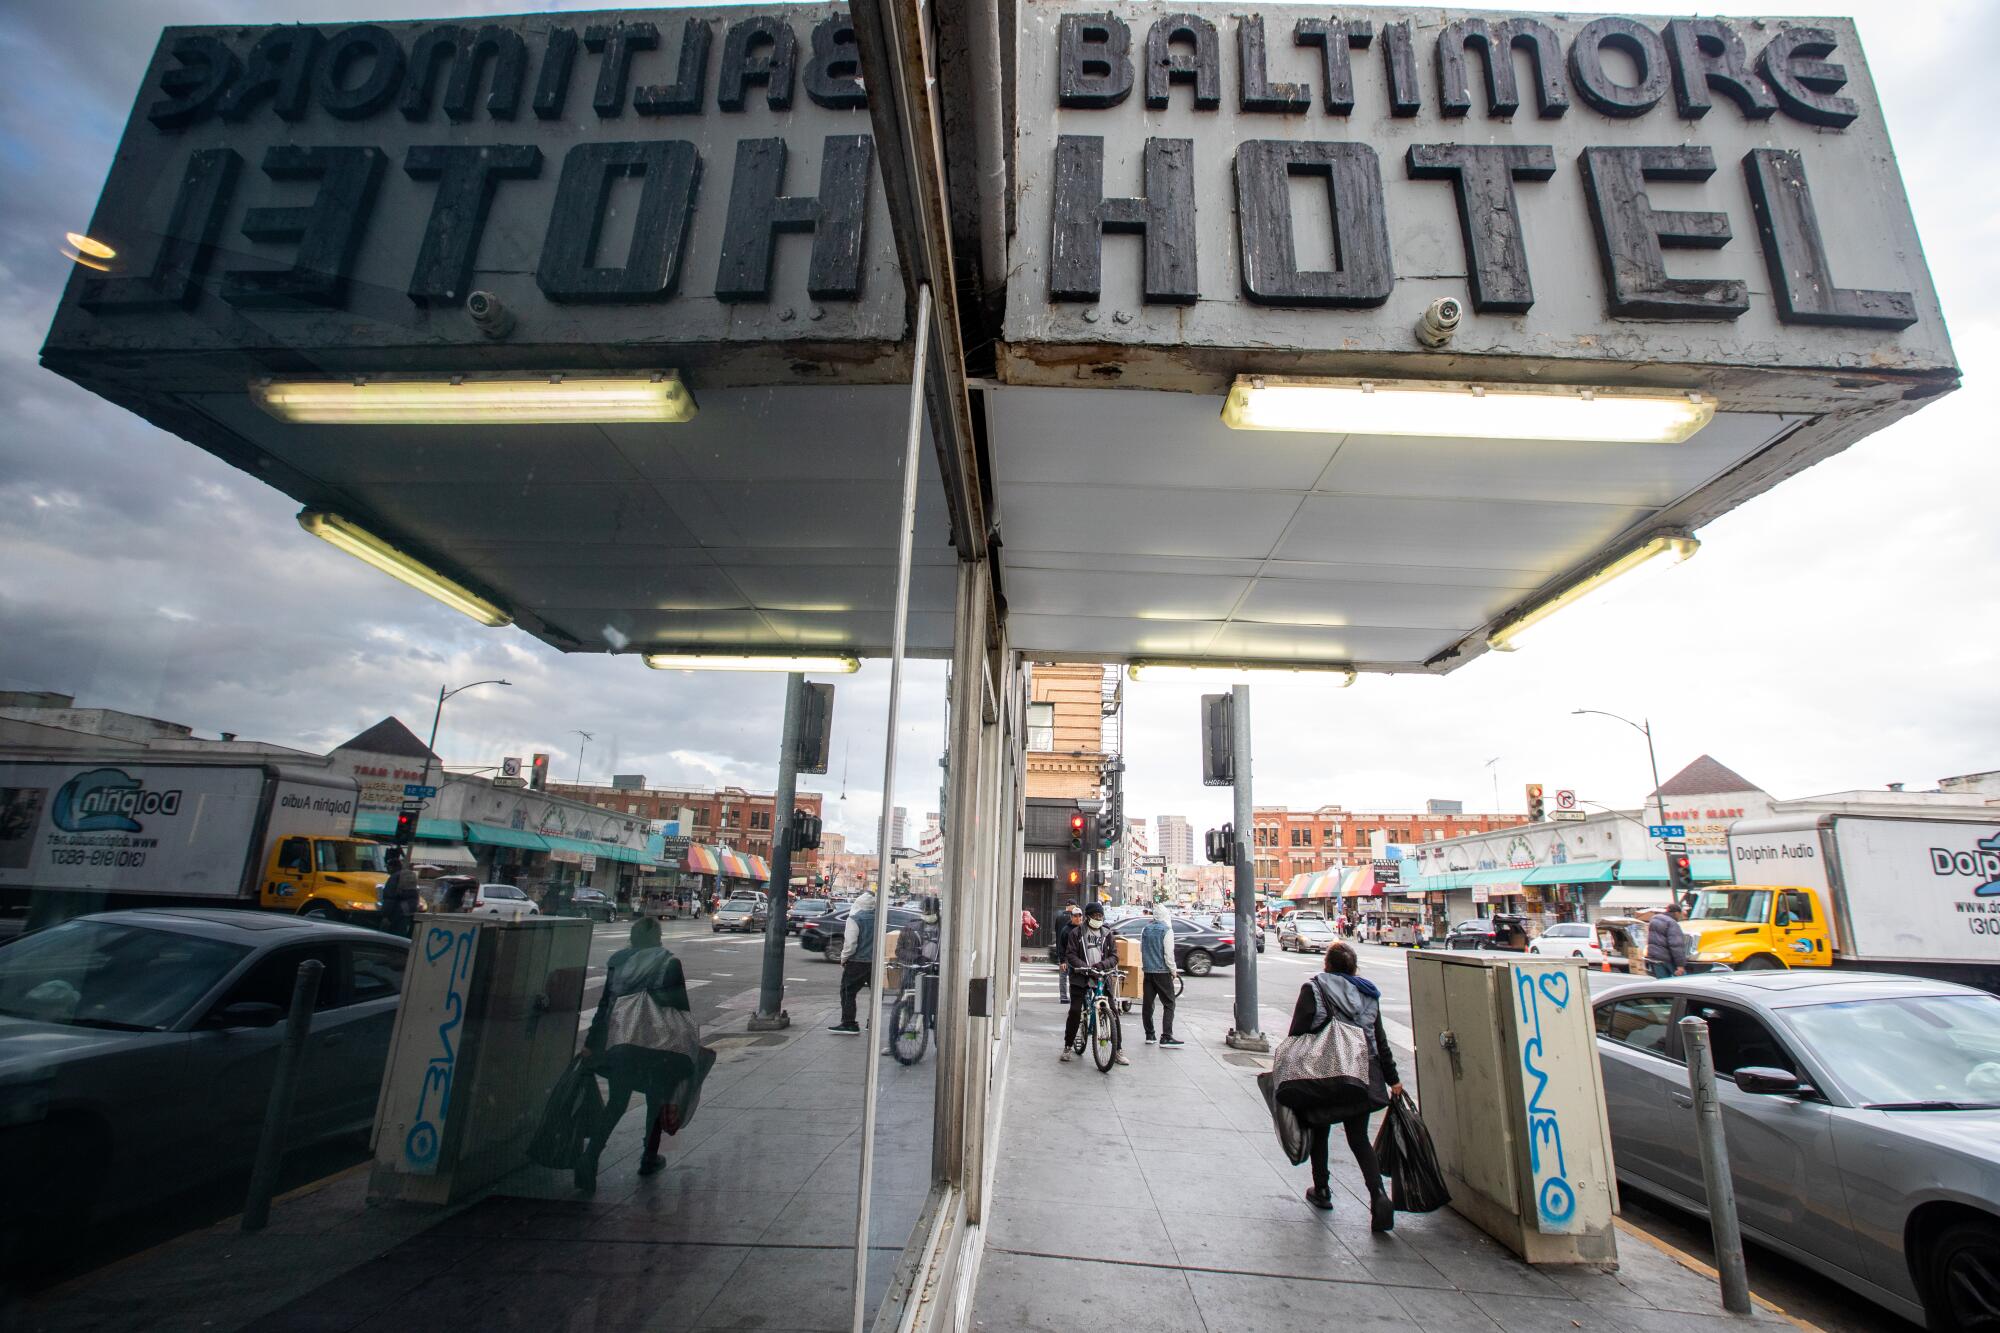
1302 837
1041 726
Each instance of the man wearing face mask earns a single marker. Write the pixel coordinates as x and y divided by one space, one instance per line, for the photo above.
1090 947
916 946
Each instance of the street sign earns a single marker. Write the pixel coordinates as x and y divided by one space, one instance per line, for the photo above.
1673 846
418 789
510 782
510 767
1666 830
412 807
1565 799
1571 815
1388 873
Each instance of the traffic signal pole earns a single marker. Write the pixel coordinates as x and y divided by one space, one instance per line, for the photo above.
771 1015
1245 1036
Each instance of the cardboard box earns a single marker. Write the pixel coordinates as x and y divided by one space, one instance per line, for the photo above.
1131 981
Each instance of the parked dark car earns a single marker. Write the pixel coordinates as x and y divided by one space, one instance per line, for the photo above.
1505 932
822 934
804 910
1198 949
742 914
137 1050
592 903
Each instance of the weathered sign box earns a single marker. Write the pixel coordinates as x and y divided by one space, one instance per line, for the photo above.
683 188
1205 189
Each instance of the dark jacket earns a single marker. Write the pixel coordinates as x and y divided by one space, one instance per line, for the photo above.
916 944
1073 949
1063 931
1666 942
1307 1017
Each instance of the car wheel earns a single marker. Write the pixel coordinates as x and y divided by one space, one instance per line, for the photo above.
1762 962
1577 954
1199 963
320 911
1962 1287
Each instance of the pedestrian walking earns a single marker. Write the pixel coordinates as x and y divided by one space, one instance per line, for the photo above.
1339 994
1157 961
857 962
1667 943
1068 922
399 894
643 1039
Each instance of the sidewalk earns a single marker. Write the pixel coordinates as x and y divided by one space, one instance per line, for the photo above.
1157 1198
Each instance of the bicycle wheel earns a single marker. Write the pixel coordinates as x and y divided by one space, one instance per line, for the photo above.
1180 984
1103 1033
909 1036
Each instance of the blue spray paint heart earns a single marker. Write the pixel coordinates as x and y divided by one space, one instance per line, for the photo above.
1555 987
437 943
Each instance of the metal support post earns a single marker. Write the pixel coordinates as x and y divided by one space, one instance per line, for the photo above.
1246 1035
284 1083
771 1015
1716 1179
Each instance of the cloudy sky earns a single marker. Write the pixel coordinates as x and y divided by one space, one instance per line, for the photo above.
1843 631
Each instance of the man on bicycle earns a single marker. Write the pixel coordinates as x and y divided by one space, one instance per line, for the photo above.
916 947
1090 949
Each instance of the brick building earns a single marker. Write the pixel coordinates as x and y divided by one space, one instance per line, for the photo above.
728 817
1296 842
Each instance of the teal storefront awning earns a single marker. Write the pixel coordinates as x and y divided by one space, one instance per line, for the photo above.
381 824
492 835
1706 870
1574 872
603 851
1454 880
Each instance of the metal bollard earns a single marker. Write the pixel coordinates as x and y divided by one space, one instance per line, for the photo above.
278 1111
1716 1178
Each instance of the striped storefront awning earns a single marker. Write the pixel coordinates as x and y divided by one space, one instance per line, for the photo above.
734 864
701 860
760 869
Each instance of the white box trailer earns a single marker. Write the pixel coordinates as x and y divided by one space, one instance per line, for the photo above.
92 833
1900 894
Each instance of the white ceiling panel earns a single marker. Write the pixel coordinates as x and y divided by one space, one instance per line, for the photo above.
588 514
1452 532
1144 520
1395 605
1089 634
1084 592
1114 437
1309 643
818 432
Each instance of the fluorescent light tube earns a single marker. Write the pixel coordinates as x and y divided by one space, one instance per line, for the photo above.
1679 545
1320 673
364 545
466 400
1465 410
829 664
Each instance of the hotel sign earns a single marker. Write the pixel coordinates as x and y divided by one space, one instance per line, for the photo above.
1204 180
645 187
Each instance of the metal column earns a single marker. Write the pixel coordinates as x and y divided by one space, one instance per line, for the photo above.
1246 1035
771 1015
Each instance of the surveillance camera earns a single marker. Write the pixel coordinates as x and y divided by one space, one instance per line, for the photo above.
489 314
1439 322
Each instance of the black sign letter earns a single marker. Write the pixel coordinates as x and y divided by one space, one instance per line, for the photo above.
467 175
327 231
1706 54
1095 61
833 75
1399 53
1164 215
1335 39
1496 43
1166 66
1597 88
187 242
1805 84
1483 176
363 42
1361 274
280 68
1801 277
772 68
683 96
1631 233
758 212
1256 92
207 67
617 41
552 84
669 170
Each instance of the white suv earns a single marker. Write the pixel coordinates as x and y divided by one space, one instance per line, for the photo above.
503 900
1572 939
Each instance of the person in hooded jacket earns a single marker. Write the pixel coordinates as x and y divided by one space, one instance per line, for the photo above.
1339 993
857 962
1156 960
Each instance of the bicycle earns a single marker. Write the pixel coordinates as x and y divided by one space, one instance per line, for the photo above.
916 1013
1100 1032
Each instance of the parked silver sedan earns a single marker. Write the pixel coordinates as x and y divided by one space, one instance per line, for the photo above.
1862 1113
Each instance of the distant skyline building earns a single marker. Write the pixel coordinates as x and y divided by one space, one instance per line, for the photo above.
899 821
1174 839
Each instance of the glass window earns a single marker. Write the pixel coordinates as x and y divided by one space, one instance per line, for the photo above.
1732 905
1915 1051
1740 1040
1795 909
1642 1022
296 855
500 891
1041 726
270 978
97 974
1302 837
377 972
350 857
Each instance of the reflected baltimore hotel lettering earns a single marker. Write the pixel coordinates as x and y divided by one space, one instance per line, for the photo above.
1013 361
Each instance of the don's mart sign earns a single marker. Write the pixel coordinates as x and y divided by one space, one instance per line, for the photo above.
1606 190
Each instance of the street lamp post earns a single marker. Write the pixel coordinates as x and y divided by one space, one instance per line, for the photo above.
588 737
443 694
1645 729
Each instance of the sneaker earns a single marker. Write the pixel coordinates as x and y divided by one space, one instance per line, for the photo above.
1384 1214
584 1176
1172 1041
1152 1041
1119 1059
1319 1196
1065 1055
651 1163
846 1029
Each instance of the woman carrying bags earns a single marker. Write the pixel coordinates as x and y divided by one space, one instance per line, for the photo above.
644 1040
1337 994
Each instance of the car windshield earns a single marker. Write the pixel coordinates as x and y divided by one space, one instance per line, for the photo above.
106 975
500 891
741 905
1921 1052
350 858
1732 905
810 907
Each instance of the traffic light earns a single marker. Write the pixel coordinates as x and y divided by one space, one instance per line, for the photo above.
1680 873
1534 802
1076 831
815 729
1107 831
1219 850
1075 877
538 774
1218 741
406 827
805 830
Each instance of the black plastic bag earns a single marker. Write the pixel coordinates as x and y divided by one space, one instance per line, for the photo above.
1291 1130
1408 1161
573 1110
